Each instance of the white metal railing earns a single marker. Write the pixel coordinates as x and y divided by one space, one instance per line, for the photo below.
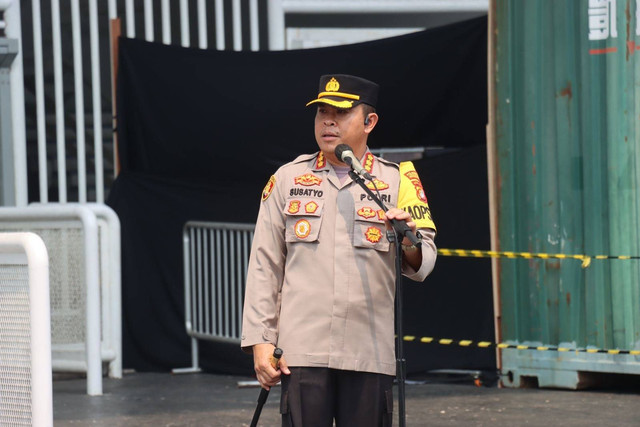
110 272
216 257
25 336
81 339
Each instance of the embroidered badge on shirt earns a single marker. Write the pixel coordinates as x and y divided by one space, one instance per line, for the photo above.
294 206
302 228
381 215
366 212
380 185
268 188
415 180
307 180
311 207
373 234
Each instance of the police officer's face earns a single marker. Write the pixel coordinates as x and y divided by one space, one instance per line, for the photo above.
334 126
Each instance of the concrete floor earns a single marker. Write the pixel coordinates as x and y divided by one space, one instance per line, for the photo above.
162 399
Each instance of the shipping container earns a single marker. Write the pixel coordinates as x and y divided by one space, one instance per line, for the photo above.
564 171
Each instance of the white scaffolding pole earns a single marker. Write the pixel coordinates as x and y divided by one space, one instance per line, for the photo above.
202 24
237 25
184 23
253 22
166 22
276 25
78 78
96 94
220 45
14 31
40 113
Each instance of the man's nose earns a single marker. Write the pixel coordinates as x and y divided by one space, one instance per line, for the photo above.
329 121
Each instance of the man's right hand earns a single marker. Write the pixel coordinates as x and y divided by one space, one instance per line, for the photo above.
267 375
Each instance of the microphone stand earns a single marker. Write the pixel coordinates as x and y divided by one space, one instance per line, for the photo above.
401 230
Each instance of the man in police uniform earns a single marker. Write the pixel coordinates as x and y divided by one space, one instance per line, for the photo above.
321 278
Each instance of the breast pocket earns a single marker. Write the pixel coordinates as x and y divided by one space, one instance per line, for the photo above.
368 229
304 218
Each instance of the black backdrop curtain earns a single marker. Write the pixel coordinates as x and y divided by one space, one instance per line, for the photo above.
200 132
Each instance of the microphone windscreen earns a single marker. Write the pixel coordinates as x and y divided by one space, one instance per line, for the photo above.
341 149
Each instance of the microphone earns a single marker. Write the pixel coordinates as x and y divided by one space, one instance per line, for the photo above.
344 153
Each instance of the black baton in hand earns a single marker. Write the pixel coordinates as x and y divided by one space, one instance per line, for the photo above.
264 393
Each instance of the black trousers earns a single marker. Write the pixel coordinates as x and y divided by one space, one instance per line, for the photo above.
314 397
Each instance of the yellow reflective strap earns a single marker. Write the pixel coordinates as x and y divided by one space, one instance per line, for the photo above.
445 341
465 343
426 339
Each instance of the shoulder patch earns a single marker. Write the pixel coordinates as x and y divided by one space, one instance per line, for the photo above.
268 188
415 180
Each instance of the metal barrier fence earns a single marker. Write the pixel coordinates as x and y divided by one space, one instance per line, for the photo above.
216 257
83 243
25 337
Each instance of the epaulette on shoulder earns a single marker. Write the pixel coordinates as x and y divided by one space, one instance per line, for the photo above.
300 159
304 158
388 163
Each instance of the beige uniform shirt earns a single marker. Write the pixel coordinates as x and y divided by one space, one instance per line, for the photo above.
321 277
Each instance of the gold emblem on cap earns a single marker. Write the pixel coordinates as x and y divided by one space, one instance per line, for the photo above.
332 85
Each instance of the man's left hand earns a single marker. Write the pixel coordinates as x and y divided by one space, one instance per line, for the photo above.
400 215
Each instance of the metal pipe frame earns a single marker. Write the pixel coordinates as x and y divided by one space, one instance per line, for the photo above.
32 246
90 228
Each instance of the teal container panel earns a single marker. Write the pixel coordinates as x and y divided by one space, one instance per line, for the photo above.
567 109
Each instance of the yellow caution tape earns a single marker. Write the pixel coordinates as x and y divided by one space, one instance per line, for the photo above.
474 253
502 345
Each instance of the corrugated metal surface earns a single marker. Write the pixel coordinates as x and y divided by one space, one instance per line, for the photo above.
567 149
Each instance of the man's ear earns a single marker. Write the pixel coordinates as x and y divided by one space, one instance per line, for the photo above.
370 122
